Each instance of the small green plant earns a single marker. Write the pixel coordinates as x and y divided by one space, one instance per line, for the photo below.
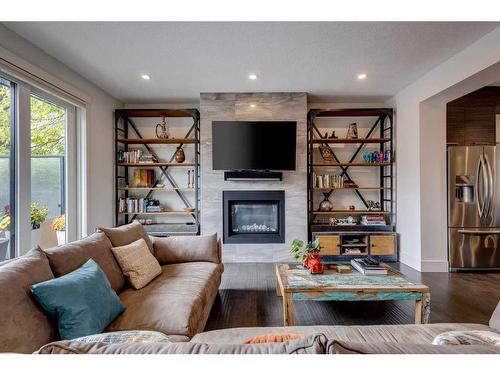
299 249
38 215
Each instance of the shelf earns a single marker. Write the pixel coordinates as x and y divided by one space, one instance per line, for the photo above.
352 188
139 165
158 213
155 112
157 141
354 112
155 189
360 244
354 255
352 164
352 140
362 212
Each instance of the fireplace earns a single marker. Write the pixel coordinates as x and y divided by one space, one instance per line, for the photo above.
254 216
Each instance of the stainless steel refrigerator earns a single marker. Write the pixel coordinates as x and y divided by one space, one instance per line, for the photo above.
474 207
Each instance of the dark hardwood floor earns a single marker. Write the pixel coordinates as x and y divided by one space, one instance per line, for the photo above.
247 298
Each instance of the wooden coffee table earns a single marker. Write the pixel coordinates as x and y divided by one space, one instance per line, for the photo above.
295 283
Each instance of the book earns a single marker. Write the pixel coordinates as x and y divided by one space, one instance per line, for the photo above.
363 266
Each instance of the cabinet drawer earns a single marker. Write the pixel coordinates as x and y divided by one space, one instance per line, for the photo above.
382 244
329 245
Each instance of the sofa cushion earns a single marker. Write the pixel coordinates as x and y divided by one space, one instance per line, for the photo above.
495 318
82 301
408 333
126 234
66 258
177 302
315 344
137 263
181 249
345 347
24 325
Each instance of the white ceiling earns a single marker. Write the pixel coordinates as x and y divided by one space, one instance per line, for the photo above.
185 59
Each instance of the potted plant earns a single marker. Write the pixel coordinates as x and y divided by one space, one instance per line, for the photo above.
38 216
59 225
307 253
5 230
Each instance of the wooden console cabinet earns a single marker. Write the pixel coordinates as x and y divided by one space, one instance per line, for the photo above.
338 246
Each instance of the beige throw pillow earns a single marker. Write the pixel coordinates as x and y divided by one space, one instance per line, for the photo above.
137 263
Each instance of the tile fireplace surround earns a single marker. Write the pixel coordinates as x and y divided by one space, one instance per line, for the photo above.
268 107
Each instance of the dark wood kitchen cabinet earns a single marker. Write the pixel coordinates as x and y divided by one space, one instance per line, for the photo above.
470 119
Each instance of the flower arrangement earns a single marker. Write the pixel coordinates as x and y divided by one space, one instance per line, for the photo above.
301 250
59 223
5 219
38 215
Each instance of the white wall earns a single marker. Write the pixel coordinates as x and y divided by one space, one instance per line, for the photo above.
421 153
99 120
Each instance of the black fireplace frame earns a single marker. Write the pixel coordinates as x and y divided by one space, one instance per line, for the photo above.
229 196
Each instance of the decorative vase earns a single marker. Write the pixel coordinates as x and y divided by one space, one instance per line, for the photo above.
36 235
314 264
325 204
61 237
180 156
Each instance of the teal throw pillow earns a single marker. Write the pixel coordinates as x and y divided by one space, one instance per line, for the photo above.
82 301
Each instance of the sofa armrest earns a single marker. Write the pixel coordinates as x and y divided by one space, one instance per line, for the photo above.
182 249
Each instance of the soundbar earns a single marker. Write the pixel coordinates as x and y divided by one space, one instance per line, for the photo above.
253 175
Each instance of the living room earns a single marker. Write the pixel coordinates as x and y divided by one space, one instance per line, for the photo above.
194 187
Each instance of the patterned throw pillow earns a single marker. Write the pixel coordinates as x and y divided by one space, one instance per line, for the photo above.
467 338
125 337
137 263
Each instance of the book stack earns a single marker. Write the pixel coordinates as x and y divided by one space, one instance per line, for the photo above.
368 266
136 157
147 158
138 205
328 181
373 220
143 178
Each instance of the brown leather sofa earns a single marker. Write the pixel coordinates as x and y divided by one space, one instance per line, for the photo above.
176 303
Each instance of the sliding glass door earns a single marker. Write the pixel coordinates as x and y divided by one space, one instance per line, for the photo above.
38 179
7 170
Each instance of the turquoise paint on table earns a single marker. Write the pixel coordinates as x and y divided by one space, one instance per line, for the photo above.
350 296
303 280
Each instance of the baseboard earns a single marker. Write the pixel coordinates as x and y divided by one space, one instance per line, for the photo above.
410 261
435 266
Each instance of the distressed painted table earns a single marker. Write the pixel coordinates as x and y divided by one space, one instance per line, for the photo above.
295 283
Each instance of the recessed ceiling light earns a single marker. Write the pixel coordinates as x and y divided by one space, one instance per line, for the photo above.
362 76
253 77
252 105
146 77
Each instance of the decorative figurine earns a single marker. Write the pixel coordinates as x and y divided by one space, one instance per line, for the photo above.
352 133
162 129
326 153
333 136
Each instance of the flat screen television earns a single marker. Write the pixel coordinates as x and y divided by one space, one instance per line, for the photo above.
254 145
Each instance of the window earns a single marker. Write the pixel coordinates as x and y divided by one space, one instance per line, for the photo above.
38 148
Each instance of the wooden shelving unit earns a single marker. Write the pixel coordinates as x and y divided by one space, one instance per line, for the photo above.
156 165
349 140
351 164
127 134
332 237
157 141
